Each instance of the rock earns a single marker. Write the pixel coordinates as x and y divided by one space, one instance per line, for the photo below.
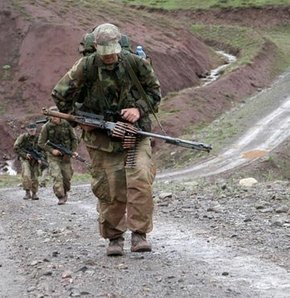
164 195
214 208
261 205
282 209
248 182
277 221
66 274
74 292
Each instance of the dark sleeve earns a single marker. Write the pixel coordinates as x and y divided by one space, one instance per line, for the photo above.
66 90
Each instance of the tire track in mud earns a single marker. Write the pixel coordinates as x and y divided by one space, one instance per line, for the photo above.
264 136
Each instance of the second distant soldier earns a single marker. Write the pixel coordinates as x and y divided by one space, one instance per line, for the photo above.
24 146
60 132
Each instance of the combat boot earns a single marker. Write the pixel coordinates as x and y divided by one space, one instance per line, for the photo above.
34 196
116 247
27 195
61 201
139 243
65 197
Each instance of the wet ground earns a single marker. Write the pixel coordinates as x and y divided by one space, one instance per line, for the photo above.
210 240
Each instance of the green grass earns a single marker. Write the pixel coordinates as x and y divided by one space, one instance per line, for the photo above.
280 35
9 180
245 40
81 178
198 4
2 110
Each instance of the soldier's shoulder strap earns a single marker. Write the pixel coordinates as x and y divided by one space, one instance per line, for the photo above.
90 69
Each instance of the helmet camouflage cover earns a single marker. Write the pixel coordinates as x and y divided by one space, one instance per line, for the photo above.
87 44
107 38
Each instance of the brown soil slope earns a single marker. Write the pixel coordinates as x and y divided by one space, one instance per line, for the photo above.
39 43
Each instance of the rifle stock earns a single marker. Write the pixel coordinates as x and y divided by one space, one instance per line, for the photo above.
120 129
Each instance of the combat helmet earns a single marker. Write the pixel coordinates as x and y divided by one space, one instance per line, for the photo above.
87 46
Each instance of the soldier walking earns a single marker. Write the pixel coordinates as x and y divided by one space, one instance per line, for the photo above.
60 132
24 146
124 189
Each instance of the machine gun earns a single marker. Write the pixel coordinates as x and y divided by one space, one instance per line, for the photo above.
36 155
41 121
64 150
127 132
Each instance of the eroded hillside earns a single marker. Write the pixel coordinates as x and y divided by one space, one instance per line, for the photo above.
40 41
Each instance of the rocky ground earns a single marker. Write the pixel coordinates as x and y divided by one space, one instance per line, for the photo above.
212 238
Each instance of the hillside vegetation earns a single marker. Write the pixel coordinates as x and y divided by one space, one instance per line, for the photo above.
40 41
196 4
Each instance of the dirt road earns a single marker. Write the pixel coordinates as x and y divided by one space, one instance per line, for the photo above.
55 251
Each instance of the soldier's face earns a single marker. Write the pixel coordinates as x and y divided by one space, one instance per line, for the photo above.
31 131
55 120
109 59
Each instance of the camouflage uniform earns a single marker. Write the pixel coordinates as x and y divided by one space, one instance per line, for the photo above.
44 173
59 166
29 168
124 193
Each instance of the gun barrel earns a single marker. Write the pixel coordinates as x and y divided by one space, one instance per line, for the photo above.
177 141
41 121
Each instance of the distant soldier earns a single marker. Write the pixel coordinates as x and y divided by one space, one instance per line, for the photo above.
59 132
25 146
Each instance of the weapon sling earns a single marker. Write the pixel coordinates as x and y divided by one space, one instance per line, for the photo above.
141 90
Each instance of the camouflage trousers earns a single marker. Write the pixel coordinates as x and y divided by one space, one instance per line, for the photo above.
44 177
61 172
29 175
124 194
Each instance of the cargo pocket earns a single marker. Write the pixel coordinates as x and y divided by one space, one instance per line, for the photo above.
100 186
